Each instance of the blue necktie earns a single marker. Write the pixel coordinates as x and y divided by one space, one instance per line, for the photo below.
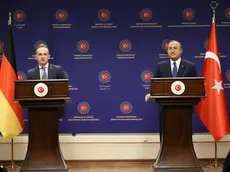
174 73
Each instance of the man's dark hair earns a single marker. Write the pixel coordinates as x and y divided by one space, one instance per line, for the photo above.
40 46
174 40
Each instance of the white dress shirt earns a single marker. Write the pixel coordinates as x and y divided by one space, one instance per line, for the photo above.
41 70
177 64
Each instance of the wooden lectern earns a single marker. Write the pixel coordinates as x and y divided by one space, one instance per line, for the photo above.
176 97
43 98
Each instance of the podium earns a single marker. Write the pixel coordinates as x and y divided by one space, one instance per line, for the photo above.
176 98
43 98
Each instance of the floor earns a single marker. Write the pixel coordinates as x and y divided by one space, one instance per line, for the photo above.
125 167
120 166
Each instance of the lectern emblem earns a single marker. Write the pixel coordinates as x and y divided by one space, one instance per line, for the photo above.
40 89
178 87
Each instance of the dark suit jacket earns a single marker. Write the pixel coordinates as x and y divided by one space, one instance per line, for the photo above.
186 69
54 72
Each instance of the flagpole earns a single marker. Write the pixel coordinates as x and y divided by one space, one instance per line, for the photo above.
215 165
213 5
12 167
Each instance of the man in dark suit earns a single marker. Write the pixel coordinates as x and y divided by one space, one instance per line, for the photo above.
175 66
44 70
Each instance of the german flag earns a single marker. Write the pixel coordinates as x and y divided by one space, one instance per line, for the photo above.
11 118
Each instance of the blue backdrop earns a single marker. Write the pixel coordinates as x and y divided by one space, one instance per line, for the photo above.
109 50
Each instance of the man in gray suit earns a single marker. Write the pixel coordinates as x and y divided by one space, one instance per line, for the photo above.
44 70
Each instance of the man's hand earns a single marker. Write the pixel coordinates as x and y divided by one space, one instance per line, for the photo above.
147 97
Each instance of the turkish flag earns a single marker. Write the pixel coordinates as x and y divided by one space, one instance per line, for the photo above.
213 110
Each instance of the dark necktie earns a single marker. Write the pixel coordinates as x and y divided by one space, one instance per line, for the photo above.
174 73
44 75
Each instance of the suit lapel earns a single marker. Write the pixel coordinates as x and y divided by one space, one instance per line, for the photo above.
181 69
168 68
37 73
51 73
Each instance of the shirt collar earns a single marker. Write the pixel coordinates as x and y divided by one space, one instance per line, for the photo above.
177 61
46 66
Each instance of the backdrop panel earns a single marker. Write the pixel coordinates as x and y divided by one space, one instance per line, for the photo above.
109 51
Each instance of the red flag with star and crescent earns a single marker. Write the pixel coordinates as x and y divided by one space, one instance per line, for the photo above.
213 110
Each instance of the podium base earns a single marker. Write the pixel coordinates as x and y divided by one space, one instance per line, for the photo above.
44 170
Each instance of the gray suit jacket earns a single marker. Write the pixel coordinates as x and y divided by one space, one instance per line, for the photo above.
54 72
